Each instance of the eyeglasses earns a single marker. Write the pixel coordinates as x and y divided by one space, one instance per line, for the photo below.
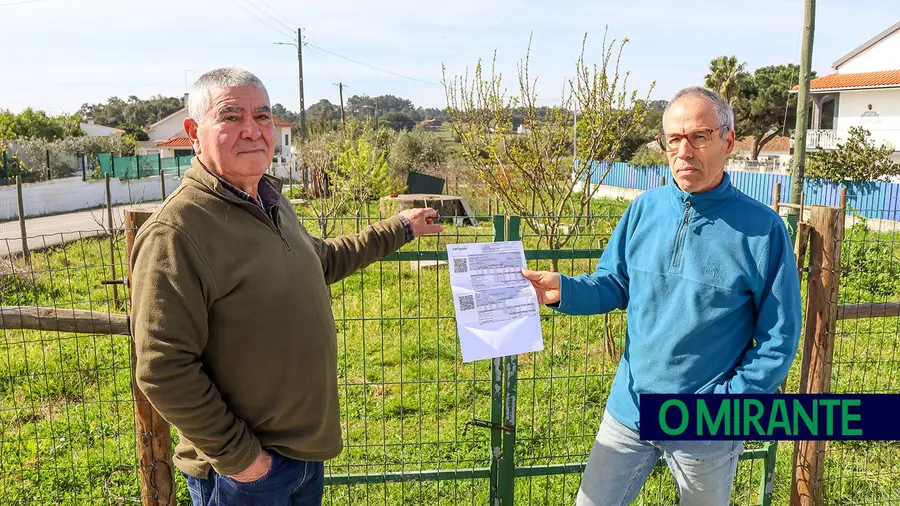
698 139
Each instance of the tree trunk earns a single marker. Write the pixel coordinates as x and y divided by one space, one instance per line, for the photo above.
755 147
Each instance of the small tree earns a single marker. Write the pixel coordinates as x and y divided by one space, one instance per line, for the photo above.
856 159
345 170
648 157
417 150
317 155
532 171
362 173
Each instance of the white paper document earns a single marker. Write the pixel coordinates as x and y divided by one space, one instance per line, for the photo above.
497 311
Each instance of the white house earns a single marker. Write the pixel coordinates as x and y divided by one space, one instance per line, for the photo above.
863 91
92 129
167 138
774 156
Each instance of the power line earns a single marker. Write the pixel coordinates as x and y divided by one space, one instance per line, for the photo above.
328 66
491 27
282 32
514 15
277 12
273 18
372 66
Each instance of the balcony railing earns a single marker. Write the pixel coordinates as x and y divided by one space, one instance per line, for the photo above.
829 139
822 139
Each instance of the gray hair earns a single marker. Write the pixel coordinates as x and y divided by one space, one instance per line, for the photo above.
227 77
724 114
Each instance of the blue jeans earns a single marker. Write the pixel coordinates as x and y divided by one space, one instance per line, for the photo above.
288 483
620 464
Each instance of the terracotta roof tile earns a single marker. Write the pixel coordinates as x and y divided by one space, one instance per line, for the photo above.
280 122
856 80
779 143
175 142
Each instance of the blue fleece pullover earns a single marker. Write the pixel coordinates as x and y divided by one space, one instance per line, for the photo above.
712 295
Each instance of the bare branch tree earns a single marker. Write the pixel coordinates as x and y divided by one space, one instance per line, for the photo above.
533 170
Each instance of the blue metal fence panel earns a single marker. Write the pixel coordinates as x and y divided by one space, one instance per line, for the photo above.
872 200
868 199
892 202
653 175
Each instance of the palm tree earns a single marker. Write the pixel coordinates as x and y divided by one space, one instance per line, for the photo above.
725 74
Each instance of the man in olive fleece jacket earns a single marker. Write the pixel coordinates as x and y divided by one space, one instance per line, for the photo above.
231 316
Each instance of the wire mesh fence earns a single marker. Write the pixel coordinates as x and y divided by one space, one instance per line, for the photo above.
406 396
67 430
66 410
866 360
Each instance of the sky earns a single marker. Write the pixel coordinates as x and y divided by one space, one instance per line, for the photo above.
59 54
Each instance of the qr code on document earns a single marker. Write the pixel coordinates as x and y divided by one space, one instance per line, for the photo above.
467 303
460 265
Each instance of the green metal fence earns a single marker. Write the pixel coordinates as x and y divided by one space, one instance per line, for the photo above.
421 427
135 167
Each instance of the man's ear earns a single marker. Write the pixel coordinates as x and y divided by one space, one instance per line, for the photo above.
729 142
190 128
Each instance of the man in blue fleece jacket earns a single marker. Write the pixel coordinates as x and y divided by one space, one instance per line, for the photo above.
709 280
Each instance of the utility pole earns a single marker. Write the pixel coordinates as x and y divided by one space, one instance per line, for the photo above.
341 94
799 162
300 69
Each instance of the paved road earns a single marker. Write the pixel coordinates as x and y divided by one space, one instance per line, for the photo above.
52 230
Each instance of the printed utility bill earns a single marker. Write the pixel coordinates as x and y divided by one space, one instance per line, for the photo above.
497 310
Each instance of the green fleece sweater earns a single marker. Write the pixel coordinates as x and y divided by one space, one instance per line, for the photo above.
232 323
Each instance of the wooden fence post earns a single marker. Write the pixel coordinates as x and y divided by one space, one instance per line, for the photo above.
154 439
825 238
776 197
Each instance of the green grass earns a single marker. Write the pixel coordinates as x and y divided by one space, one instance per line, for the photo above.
66 416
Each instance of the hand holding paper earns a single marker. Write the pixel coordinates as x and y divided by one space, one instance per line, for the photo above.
497 311
545 283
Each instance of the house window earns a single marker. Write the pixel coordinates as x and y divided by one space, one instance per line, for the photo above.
287 139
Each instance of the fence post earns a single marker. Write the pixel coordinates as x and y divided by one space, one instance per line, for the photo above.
162 183
844 204
825 238
496 396
21 203
776 197
5 169
48 165
508 455
767 480
154 439
112 240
